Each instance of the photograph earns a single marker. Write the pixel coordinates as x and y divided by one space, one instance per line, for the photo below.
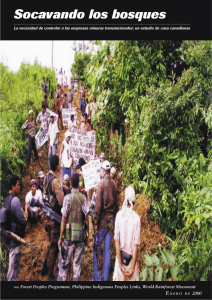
144 109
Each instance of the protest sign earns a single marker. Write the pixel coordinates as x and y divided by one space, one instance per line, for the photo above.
91 174
40 138
66 114
83 145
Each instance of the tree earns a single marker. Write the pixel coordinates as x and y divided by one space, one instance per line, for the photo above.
81 60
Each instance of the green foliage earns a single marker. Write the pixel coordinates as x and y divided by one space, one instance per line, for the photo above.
159 94
160 268
81 60
20 92
4 264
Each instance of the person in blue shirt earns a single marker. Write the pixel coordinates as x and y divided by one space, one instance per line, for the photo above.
82 107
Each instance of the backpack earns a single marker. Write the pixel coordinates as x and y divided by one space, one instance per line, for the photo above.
5 213
75 226
8 221
50 194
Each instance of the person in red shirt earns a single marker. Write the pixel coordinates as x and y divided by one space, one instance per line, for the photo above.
58 102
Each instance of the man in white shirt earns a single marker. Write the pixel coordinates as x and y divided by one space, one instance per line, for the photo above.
66 157
32 202
127 239
53 133
72 123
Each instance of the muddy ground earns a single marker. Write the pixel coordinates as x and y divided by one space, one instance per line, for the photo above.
31 260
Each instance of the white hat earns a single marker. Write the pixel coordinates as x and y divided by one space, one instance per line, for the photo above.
68 133
32 182
113 171
41 174
66 177
102 155
106 165
129 198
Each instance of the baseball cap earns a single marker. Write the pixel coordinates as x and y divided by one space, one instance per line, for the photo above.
41 174
106 165
33 181
102 155
30 111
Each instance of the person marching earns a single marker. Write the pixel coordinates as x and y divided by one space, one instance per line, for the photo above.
102 159
66 185
82 107
104 215
127 239
29 127
42 120
70 95
75 83
58 109
88 111
55 193
72 123
66 157
85 126
53 133
74 214
45 101
17 224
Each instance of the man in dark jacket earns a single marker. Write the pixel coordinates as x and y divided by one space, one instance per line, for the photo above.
54 190
105 211
18 224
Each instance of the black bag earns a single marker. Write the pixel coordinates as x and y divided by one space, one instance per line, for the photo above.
125 258
8 222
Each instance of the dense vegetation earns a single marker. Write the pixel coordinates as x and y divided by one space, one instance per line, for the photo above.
81 60
20 92
160 93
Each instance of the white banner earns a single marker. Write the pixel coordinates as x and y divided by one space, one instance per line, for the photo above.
66 114
91 174
40 138
83 145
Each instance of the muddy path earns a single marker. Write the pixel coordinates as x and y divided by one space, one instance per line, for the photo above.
31 261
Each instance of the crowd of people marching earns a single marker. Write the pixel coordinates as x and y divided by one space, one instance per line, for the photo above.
70 203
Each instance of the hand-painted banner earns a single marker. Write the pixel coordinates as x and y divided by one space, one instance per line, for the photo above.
83 145
40 138
91 174
66 114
